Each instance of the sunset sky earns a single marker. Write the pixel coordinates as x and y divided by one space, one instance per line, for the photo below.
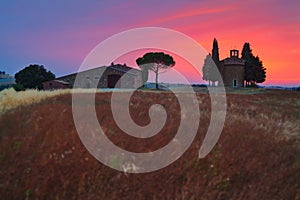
60 34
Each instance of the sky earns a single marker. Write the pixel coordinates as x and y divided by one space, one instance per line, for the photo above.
60 34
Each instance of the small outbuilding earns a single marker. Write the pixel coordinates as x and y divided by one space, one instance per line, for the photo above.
55 84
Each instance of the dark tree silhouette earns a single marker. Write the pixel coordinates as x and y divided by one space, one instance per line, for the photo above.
215 56
215 53
156 62
210 71
260 71
211 65
33 76
249 67
254 70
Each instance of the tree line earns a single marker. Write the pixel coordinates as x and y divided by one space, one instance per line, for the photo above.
32 76
255 72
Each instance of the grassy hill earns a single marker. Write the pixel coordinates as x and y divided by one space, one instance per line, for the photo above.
257 156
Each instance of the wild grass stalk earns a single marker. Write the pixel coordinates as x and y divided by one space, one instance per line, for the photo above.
10 99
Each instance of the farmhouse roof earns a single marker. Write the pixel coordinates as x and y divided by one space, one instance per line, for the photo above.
122 68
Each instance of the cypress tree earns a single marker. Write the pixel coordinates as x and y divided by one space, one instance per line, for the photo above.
215 53
254 70
214 72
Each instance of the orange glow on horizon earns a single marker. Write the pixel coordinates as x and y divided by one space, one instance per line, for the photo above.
273 39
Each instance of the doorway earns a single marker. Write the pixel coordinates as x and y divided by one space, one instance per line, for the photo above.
234 83
112 80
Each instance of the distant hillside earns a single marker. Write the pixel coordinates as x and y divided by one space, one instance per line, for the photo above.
281 88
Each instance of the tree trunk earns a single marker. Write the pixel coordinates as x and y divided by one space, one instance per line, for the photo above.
144 76
156 79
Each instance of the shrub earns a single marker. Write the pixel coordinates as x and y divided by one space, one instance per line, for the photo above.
18 87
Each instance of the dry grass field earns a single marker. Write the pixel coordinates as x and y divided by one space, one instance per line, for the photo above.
256 157
10 99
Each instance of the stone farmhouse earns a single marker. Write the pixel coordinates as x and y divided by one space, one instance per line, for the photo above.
113 76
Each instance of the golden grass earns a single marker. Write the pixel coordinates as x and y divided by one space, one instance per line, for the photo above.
10 99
